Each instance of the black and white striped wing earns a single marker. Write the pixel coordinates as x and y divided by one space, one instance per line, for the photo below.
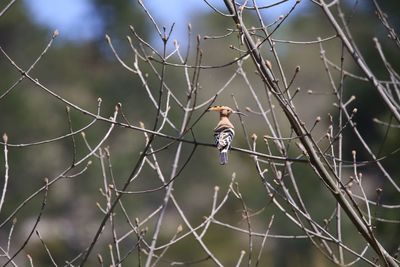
224 138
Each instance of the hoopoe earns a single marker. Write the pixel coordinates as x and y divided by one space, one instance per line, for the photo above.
224 132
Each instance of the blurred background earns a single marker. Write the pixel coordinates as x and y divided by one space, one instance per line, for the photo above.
81 67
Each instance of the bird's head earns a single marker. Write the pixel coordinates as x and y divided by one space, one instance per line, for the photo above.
224 110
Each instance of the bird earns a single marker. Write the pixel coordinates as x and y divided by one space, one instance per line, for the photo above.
224 132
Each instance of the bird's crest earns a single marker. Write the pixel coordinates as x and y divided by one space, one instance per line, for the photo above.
220 108
225 110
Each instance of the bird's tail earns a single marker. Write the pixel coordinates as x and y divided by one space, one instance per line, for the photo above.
223 157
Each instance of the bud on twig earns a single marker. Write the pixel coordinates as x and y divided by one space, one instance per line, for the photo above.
55 33
108 38
100 258
179 229
118 106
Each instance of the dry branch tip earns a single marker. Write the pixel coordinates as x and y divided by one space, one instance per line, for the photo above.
108 39
179 229
56 33
100 258
5 138
118 106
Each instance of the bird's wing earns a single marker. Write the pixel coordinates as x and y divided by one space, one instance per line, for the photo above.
224 139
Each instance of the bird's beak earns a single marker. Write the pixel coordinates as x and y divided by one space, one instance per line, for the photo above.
241 113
